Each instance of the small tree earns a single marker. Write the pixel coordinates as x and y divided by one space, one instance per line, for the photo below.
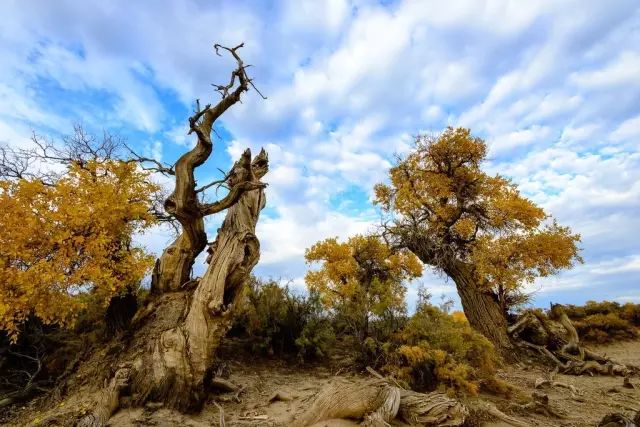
68 236
361 278
475 228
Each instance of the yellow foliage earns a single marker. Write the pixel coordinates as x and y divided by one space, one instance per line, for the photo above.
362 275
59 241
459 316
436 349
440 195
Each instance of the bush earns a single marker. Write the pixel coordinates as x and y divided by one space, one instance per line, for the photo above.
631 313
433 349
604 328
277 322
606 321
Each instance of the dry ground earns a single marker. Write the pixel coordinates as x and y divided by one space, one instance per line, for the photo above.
263 379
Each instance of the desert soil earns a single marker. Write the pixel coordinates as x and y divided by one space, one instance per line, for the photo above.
274 392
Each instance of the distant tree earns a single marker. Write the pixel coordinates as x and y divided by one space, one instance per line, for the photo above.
475 228
69 232
361 278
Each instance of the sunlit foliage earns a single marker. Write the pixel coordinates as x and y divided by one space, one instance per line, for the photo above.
361 277
61 240
448 210
435 349
606 321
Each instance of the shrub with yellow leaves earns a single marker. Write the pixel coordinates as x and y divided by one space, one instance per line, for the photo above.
435 350
361 279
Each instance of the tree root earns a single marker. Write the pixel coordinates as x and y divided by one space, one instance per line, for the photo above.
563 350
107 400
494 412
379 401
434 409
619 420
542 383
540 405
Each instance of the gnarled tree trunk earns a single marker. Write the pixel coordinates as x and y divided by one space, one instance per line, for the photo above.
173 268
174 367
480 307
170 349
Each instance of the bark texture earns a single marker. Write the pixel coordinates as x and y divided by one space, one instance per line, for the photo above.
378 402
482 309
168 353
174 367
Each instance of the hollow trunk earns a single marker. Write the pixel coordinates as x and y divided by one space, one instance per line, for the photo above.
120 311
482 310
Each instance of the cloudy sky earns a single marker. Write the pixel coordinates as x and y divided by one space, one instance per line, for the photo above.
552 86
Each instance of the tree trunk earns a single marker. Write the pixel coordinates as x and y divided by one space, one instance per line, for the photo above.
482 310
174 367
173 268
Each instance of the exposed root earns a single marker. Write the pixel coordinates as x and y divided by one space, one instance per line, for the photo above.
107 401
558 343
376 401
540 405
436 410
495 413
379 401
619 420
542 383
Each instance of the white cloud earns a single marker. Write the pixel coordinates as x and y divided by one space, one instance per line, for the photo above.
627 130
552 86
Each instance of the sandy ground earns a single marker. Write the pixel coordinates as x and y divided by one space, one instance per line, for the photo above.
261 380
298 384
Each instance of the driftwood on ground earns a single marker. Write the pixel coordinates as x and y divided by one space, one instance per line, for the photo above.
555 339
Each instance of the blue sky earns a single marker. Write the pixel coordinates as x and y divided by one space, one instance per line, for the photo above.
552 86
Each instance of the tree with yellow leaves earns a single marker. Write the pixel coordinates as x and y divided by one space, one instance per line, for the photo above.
475 228
62 239
361 278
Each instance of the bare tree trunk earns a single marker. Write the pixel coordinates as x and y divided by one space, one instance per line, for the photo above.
174 367
174 337
173 268
482 309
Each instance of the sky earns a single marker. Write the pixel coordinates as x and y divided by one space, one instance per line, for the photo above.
552 86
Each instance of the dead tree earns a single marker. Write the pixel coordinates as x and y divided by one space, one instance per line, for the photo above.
555 340
173 338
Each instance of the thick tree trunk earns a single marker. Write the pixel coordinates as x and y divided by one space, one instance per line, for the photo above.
174 367
482 310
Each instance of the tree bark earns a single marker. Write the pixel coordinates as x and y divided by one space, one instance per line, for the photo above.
481 309
480 306
173 268
174 367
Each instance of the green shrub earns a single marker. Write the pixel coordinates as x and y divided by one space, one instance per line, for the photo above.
278 322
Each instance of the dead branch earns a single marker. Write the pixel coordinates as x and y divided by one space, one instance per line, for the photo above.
158 167
565 352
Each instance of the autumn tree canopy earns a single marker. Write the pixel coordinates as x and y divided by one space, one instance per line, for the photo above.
62 238
474 227
362 277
